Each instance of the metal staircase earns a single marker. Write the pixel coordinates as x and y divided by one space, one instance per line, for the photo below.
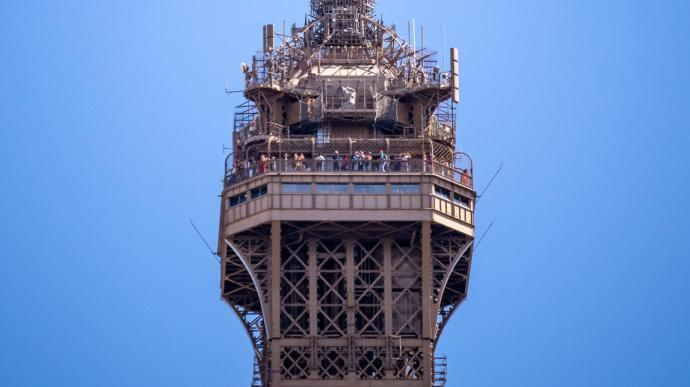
440 371
256 378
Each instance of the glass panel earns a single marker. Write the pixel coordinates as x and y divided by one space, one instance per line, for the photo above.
237 200
332 188
405 188
442 192
370 188
260 191
296 188
461 200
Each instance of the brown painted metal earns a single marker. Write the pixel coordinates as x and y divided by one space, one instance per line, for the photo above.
345 272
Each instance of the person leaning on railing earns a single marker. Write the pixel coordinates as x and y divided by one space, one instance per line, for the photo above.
465 178
320 161
262 164
383 159
336 161
286 163
405 162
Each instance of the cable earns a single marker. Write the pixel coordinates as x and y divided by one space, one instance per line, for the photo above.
215 254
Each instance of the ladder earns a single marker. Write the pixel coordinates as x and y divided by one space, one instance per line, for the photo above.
440 371
256 377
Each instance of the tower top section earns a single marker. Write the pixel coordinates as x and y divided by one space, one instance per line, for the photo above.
321 8
343 22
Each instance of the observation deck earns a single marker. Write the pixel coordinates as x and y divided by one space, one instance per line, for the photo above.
318 190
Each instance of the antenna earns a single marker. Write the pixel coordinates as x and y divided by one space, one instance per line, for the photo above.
228 91
490 182
484 235
409 33
422 27
443 60
215 254
414 42
455 73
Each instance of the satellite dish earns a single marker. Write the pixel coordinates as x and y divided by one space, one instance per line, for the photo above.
244 67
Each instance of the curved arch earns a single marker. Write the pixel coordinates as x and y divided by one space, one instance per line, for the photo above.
464 161
251 273
256 327
258 343
450 272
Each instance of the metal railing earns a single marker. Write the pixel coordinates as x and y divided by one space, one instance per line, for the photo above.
331 165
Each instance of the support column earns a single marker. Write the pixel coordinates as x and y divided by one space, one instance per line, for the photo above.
276 264
388 288
427 303
350 278
312 272
313 291
388 306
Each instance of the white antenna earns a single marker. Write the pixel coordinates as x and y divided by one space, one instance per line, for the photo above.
422 29
228 91
444 47
414 42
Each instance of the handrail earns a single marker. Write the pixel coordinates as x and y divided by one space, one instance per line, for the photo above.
341 165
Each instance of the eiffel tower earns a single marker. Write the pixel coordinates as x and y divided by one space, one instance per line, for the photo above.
347 219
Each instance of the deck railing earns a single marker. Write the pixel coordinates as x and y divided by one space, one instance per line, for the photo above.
347 166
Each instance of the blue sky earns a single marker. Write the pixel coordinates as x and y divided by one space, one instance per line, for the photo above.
112 123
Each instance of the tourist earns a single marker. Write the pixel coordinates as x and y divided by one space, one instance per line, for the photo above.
262 165
383 160
295 162
465 178
336 161
252 168
430 162
404 162
360 160
286 163
320 167
300 162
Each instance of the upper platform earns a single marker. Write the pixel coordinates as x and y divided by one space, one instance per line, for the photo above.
379 192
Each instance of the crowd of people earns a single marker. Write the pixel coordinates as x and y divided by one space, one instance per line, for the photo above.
359 161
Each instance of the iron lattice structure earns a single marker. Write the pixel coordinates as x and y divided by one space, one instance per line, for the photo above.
347 219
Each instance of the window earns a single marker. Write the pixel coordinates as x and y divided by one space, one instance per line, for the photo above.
370 188
405 188
332 188
461 200
442 192
303 188
323 136
259 191
238 200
